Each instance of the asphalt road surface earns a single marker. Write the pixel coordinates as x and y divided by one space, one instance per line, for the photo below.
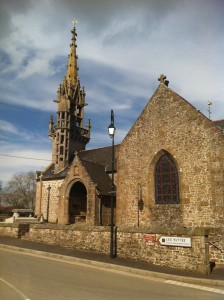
26 277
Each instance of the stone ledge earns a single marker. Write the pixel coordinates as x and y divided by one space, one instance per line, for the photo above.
12 225
75 227
194 231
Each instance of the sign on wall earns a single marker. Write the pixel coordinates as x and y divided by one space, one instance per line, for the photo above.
150 239
175 241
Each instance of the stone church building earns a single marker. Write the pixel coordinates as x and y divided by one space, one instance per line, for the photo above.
169 169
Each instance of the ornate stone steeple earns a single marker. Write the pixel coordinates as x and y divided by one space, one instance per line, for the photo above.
68 134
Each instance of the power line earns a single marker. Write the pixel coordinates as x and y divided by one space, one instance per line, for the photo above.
23 157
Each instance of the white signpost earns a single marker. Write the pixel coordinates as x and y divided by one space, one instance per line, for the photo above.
175 241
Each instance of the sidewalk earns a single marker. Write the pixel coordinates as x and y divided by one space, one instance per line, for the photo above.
216 278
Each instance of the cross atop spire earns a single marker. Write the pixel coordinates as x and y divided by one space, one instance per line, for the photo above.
75 21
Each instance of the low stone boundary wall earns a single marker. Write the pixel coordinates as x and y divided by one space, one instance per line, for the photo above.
14 230
82 237
10 230
142 243
148 246
132 243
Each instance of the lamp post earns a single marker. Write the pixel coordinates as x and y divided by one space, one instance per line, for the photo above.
111 131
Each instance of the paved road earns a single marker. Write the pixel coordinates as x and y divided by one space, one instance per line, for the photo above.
30 277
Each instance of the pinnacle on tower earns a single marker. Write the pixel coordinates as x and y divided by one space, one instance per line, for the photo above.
72 67
69 132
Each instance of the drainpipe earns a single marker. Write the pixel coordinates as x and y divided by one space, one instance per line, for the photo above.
40 197
100 210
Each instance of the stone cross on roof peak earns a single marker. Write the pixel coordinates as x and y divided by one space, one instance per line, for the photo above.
76 154
162 79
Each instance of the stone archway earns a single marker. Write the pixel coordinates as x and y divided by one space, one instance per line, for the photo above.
77 203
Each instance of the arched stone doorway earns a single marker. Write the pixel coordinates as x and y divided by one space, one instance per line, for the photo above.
77 203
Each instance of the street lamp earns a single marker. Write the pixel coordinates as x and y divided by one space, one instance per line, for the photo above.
111 131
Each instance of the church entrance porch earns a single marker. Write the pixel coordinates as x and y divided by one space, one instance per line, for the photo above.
77 203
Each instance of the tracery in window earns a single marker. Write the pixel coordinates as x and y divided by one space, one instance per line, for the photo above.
166 181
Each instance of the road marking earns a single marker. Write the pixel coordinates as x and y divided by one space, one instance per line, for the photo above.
14 288
195 286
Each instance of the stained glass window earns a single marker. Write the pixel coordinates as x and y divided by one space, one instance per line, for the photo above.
166 181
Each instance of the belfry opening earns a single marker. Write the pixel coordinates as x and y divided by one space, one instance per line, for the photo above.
77 203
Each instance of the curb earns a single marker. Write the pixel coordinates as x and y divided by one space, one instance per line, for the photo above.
123 269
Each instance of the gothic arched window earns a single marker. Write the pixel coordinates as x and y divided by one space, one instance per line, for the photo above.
166 181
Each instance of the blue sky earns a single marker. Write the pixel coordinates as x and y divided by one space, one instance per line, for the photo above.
123 47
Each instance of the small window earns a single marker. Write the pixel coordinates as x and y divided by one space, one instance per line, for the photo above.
166 181
62 139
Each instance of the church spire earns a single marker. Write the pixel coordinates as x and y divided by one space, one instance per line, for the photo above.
69 135
72 67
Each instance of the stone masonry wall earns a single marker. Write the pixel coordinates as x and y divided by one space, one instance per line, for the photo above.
216 246
14 230
170 124
10 230
131 243
49 198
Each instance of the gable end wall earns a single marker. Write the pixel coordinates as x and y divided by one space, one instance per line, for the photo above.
170 123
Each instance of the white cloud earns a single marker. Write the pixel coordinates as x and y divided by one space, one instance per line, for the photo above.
145 40
36 65
20 151
22 160
7 127
15 133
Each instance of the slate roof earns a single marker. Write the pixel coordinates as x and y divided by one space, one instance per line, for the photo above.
99 177
219 123
49 173
100 156
97 163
